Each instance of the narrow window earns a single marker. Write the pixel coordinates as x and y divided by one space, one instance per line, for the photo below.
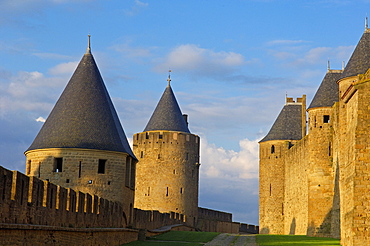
101 166
326 119
159 156
128 171
132 177
109 182
270 190
181 190
39 169
142 154
160 136
67 181
137 136
187 156
174 171
147 135
167 191
58 164
148 191
329 149
79 169
90 182
272 149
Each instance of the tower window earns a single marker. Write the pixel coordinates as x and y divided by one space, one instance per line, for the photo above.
67 180
79 169
147 135
272 149
28 171
187 156
167 191
142 154
101 166
160 136
326 119
58 165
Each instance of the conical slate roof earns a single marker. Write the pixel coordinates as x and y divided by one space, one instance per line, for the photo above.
167 115
288 125
327 94
84 116
359 62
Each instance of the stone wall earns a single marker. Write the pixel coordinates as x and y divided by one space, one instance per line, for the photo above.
167 174
29 200
296 189
80 169
18 234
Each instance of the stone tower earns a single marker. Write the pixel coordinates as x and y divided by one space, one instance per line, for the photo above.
167 174
354 145
289 127
82 144
323 205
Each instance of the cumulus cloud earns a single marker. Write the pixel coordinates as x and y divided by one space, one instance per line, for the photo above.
223 164
297 54
191 58
31 91
64 68
227 175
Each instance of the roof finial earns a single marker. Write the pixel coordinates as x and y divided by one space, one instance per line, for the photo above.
88 50
328 65
366 23
169 78
342 65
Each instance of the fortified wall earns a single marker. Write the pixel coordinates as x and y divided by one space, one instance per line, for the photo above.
318 184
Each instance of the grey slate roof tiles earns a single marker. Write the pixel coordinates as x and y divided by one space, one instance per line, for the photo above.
84 115
360 59
167 115
327 94
288 125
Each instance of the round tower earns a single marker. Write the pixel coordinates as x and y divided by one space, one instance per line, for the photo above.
82 144
323 203
167 174
289 127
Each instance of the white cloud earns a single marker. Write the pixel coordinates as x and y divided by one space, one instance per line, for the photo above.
191 58
40 119
64 68
221 164
52 56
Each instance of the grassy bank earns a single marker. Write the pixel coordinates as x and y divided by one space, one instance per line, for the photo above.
295 240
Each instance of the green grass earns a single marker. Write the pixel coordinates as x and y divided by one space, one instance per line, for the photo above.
295 240
172 238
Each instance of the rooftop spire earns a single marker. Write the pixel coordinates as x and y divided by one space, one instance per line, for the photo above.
88 50
328 65
366 23
169 78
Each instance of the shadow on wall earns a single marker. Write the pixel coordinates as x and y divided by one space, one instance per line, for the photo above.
331 224
265 230
293 226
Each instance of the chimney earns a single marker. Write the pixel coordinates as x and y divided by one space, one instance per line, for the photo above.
186 119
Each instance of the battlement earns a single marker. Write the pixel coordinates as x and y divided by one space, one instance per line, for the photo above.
290 100
29 200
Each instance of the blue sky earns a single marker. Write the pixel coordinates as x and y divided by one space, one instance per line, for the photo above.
232 64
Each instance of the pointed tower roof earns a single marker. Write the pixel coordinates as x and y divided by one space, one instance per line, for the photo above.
360 59
167 115
288 125
327 94
84 115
